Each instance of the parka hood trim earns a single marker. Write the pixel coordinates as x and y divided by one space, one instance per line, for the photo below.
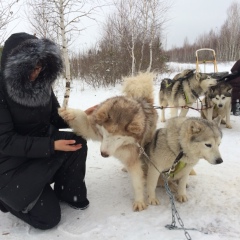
19 64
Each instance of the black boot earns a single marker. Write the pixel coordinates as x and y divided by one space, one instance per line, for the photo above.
233 108
2 208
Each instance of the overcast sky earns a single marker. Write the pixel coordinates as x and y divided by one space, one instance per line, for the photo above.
188 18
191 18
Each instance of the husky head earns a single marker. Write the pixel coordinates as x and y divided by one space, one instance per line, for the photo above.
165 83
220 94
201 139
206 81
120 121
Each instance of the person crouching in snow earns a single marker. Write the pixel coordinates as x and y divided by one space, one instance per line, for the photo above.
33 152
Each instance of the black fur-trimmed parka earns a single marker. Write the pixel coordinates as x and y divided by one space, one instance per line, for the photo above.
28 118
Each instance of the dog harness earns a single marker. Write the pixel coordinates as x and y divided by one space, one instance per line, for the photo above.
180 165
177 166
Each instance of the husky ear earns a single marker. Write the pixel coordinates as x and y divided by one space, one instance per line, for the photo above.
195 127
136 126
101 115
198 76
229 90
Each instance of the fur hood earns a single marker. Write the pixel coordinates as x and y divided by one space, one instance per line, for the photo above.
21 53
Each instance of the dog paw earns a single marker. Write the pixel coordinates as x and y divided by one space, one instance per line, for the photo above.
181 198
223 121
66 114
228 126
153 201
139 206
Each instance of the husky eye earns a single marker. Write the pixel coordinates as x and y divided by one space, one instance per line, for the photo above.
223 97
217 98
208 145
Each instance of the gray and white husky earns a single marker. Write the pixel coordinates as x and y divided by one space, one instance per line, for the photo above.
194 138
217 103
185 88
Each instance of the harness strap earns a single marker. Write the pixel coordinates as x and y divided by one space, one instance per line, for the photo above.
176 161
194 94
177 169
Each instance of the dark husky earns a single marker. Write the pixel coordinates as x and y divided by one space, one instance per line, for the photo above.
184 90
217 103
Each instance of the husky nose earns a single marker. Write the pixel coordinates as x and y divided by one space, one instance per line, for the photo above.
219 160
220 105
105 155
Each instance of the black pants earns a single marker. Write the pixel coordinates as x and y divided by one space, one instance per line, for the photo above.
70 178
45 214
69 186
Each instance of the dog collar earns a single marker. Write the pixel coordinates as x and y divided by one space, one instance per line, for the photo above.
180 165
186 96
168 85
177 165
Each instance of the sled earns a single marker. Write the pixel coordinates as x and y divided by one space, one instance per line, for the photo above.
208 56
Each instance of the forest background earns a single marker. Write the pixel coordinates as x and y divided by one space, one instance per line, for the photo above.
131 40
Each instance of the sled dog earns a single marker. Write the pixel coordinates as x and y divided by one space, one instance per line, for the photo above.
192 138
185 88
218 103
122 124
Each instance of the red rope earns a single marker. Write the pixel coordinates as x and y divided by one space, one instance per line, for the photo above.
185 107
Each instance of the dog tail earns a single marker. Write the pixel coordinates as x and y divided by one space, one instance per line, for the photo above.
140 86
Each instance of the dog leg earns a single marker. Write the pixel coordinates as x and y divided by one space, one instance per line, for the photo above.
210 114
182 188
228 111
183 112
163 119
136 174
152 180
174 111
172 184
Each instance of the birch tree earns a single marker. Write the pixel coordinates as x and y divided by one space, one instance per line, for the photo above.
233 26
127 25
157 18
64 18
139 21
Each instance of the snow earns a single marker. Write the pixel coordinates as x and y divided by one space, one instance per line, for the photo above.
213 207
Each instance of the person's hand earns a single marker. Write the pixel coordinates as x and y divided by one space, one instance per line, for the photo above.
90 110
66 145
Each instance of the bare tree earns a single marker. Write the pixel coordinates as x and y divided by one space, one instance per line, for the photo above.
233 26
138 21
63 19
128 22
225 41
39 19
157 15
7 15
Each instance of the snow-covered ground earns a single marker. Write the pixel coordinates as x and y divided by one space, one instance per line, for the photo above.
213 207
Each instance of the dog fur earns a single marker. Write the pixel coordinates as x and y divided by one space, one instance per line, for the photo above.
218 103
196 137
122 124
184 90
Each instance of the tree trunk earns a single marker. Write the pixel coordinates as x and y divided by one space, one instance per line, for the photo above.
65 57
